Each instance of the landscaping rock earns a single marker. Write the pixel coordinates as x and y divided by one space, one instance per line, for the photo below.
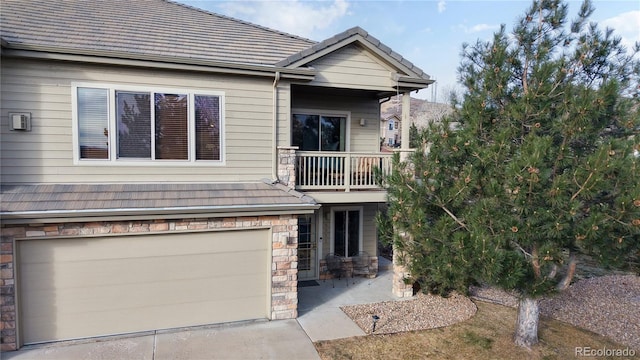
419 313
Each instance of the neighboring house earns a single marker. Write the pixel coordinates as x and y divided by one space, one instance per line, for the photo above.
390 130
421 113
163 166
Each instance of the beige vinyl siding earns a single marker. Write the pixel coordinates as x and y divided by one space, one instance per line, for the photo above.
362 138
45 155
353 67
284 114
370 231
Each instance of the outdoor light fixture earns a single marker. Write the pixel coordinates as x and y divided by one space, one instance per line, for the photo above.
363 122
375 320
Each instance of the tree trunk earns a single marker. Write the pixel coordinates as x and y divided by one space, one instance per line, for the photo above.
527 322
571 270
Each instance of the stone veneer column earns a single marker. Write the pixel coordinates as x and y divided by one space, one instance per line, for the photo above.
8 339
284 267
400 273
287 165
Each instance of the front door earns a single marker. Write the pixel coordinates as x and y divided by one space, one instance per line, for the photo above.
307 247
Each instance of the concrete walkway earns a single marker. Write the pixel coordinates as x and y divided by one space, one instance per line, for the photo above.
320 318
319 311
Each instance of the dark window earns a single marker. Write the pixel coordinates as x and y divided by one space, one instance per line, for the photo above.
346 233
318 132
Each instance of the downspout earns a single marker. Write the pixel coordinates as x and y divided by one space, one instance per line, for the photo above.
274 168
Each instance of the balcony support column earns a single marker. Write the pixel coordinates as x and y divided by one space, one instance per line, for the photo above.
401 285
287 166
405 125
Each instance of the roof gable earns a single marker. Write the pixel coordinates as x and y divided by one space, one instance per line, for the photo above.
405 69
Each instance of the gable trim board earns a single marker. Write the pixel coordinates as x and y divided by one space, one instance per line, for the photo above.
409 76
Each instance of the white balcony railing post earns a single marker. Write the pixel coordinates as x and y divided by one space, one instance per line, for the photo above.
347 173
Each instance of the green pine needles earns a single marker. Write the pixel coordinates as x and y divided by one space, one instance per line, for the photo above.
538 168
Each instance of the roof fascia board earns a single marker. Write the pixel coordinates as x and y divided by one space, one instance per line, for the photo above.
41 217
185 64
367 44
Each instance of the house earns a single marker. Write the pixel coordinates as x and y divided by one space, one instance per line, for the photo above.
421 114
390 130
163 166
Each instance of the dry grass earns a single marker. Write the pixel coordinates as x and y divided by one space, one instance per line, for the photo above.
488 335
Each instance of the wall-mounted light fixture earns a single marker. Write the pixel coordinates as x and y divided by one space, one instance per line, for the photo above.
363 122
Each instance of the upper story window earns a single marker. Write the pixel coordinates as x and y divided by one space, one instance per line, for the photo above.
120 124
390 124
395 125
319 131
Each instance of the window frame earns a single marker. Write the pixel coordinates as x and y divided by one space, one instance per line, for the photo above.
332 228
112 125
327 113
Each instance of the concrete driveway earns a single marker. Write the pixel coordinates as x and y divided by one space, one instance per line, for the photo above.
281 339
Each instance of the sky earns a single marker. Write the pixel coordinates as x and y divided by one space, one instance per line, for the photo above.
429 33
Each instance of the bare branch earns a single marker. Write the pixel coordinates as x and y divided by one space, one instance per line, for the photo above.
521 249
582 187
453 216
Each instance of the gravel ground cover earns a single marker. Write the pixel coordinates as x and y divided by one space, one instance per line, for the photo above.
421 312
607 305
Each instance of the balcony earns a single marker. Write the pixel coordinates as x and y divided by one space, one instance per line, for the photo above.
345 171
334 177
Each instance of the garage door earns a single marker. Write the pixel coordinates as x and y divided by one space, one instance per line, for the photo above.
76 288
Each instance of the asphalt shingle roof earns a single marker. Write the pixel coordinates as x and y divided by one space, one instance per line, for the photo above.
143 27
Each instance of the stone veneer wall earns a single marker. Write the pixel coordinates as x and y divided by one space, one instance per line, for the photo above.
400 274
284 267
348 264
287 165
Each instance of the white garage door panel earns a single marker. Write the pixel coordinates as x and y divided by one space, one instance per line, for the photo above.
82 288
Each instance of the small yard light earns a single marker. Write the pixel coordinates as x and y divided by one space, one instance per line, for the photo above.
375 320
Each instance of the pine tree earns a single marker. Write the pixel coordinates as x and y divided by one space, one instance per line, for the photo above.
539 169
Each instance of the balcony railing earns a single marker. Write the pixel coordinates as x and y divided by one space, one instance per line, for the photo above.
316 170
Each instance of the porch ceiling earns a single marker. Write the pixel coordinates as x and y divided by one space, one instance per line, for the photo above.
371 94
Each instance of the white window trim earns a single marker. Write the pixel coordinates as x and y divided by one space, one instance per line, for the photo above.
333 223
113 160
346 114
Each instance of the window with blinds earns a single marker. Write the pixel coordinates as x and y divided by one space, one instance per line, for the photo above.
93 123
123 124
